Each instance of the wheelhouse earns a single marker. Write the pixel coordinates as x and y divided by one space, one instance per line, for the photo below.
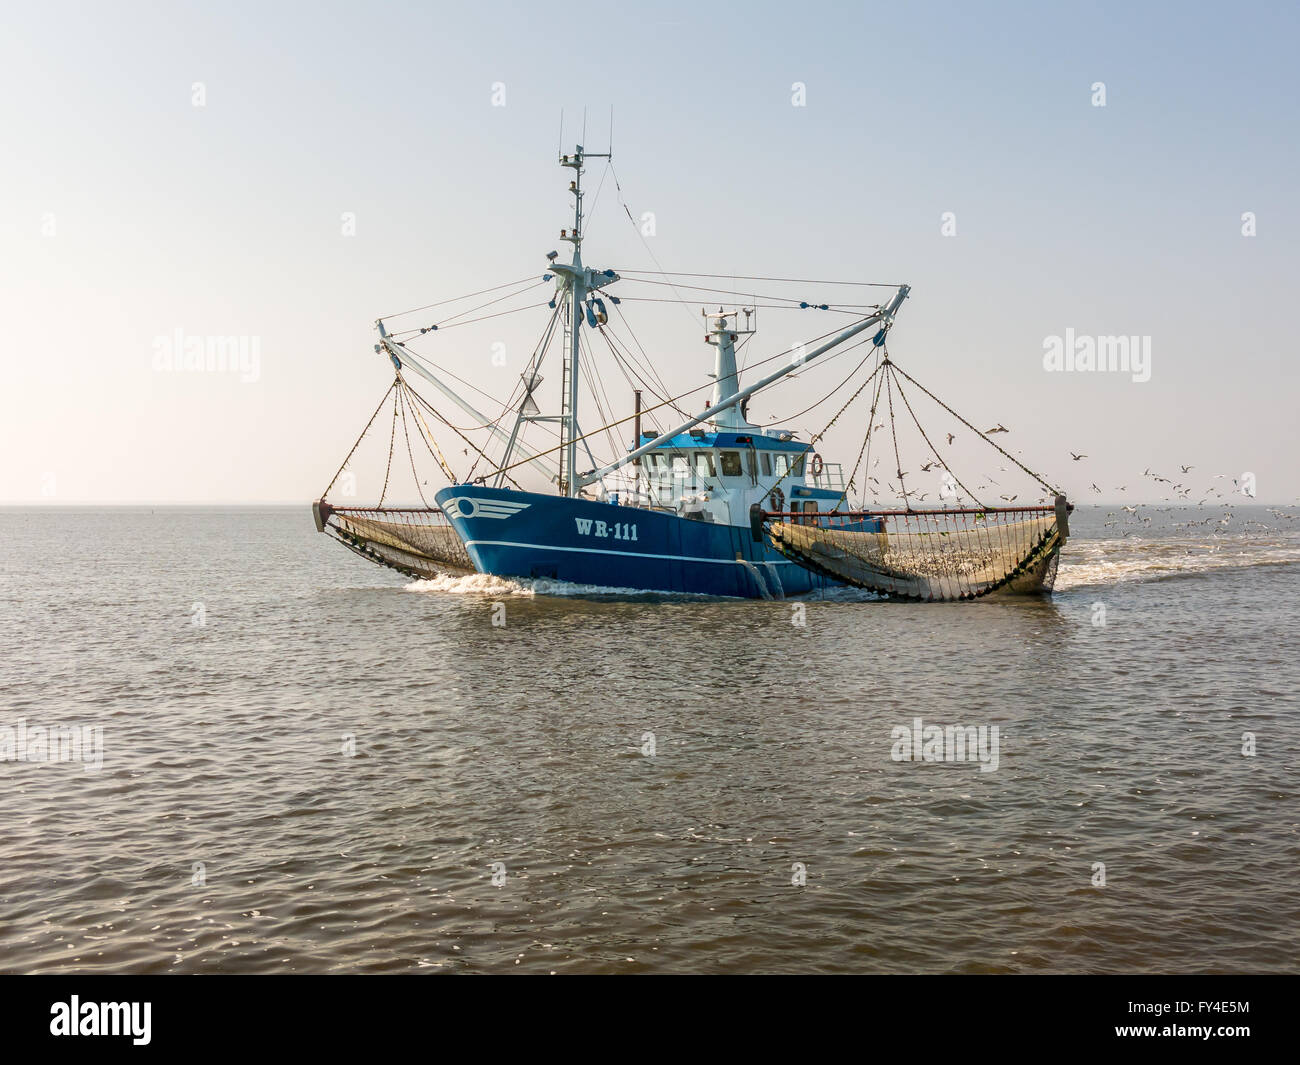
716 476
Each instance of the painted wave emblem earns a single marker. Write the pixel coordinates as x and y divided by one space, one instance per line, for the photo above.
467 507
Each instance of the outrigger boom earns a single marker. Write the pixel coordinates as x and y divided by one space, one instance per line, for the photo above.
403 359
884 315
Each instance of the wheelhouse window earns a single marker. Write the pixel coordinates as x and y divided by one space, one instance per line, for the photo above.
730 463
798 465
767 464
704 464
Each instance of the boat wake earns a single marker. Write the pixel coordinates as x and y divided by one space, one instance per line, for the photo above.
485 584
1111 561
1086 563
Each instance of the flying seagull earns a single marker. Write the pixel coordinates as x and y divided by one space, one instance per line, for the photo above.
999 429
1077 457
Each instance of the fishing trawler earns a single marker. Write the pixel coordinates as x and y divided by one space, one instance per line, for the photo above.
714 504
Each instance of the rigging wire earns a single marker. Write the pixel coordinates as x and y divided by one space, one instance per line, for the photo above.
893 429
627 362
682 395
790 466
411 334
760 306
434 411
415 474
392 439
646 363
629 372
426 434
586 222
744 277
865 449
640 236
601 410
732 292
982 436
457 299
926 438
820 364
461 380
360 438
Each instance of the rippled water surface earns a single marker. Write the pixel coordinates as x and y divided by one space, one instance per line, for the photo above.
228 830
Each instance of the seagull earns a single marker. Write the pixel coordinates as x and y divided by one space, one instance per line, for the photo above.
927 467
1095 488
1011 499
999 429
950 438
1188 468
1077 457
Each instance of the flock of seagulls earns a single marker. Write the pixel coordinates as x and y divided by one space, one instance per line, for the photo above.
1177 492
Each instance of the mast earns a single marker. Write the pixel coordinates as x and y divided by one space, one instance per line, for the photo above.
723 332
579 281
569 425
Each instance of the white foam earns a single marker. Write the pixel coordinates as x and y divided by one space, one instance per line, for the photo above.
1111 561
1083 563
487 585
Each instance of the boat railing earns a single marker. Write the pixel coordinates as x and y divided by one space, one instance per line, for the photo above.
834 519
831 477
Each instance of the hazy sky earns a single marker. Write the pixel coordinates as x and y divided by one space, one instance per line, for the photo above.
130 213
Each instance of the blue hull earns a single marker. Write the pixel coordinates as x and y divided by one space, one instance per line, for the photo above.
529 535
